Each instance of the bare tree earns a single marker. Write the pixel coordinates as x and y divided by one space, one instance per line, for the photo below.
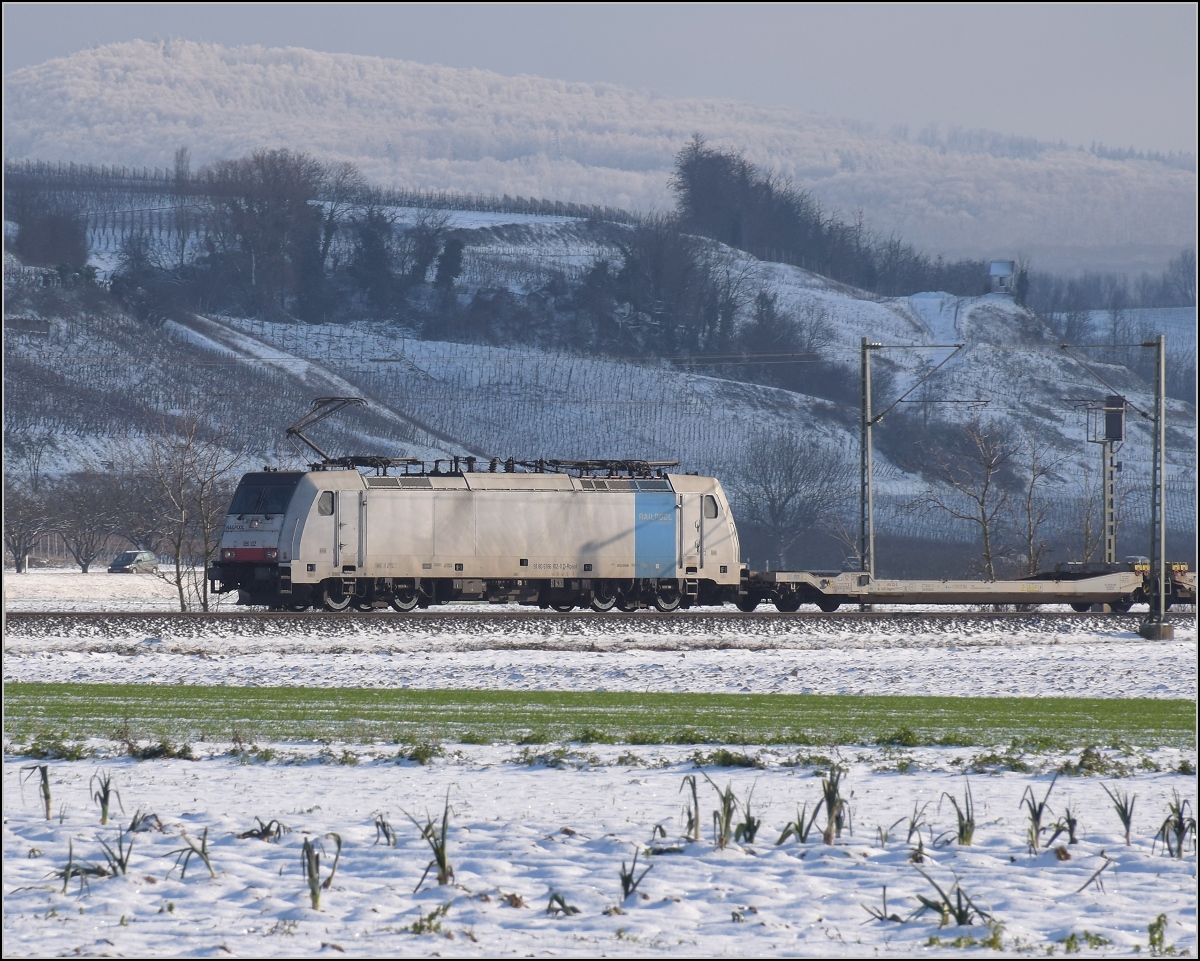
1089 496
1180 277
787 486
183 209
420 243
25 521
971 478
265 223
138 506
27 450
83 512
340 190
1116 303
193 475
1040 465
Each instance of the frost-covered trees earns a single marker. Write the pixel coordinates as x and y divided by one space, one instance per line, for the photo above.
721 195
1180 277
51 228
265 227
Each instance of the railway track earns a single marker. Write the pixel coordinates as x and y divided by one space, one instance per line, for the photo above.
33 624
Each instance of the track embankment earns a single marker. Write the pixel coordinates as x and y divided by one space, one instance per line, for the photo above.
706 628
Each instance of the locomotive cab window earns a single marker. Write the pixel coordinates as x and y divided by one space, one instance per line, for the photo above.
264 492
325 503
710 506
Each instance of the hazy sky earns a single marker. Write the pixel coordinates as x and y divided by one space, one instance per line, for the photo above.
1123 75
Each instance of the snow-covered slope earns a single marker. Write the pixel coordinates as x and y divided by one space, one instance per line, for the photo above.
422 126
432 398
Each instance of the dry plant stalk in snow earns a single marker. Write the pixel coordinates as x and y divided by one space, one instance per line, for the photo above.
835 805
310 860
383 829
692 833
956 904
43 770
800 828
1037 811
1123 804
1178 825
118 860
748 829
184 855
436 837
270 831
629 884
78 869
558 905
1067 824
965 831
723 817
104 793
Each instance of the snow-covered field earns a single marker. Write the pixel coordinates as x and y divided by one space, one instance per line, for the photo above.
531 829
459 649
527 832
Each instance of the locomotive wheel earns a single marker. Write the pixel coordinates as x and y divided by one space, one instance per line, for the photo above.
603 599
1081 608
828 605
667 599
563 608
405 602
787 605
746 604
333 599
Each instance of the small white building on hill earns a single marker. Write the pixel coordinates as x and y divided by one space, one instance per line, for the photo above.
1002 274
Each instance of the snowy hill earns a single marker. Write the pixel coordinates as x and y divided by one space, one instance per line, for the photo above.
421 126
432 398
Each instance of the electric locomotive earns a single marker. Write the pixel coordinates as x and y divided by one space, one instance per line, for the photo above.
598 534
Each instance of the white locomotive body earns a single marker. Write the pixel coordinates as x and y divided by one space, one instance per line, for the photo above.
339 538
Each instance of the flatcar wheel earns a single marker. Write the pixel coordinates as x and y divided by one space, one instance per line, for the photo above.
563 608
667 599
1081 608
747 604
334 600
1120 607
828 605
403 603
603 600
787 605
297 607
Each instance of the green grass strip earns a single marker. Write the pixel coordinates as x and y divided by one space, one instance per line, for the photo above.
364 715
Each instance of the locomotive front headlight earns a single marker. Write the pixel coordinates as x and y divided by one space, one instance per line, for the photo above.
228 554
271 554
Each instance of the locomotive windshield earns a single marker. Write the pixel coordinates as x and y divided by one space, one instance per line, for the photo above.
265 493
